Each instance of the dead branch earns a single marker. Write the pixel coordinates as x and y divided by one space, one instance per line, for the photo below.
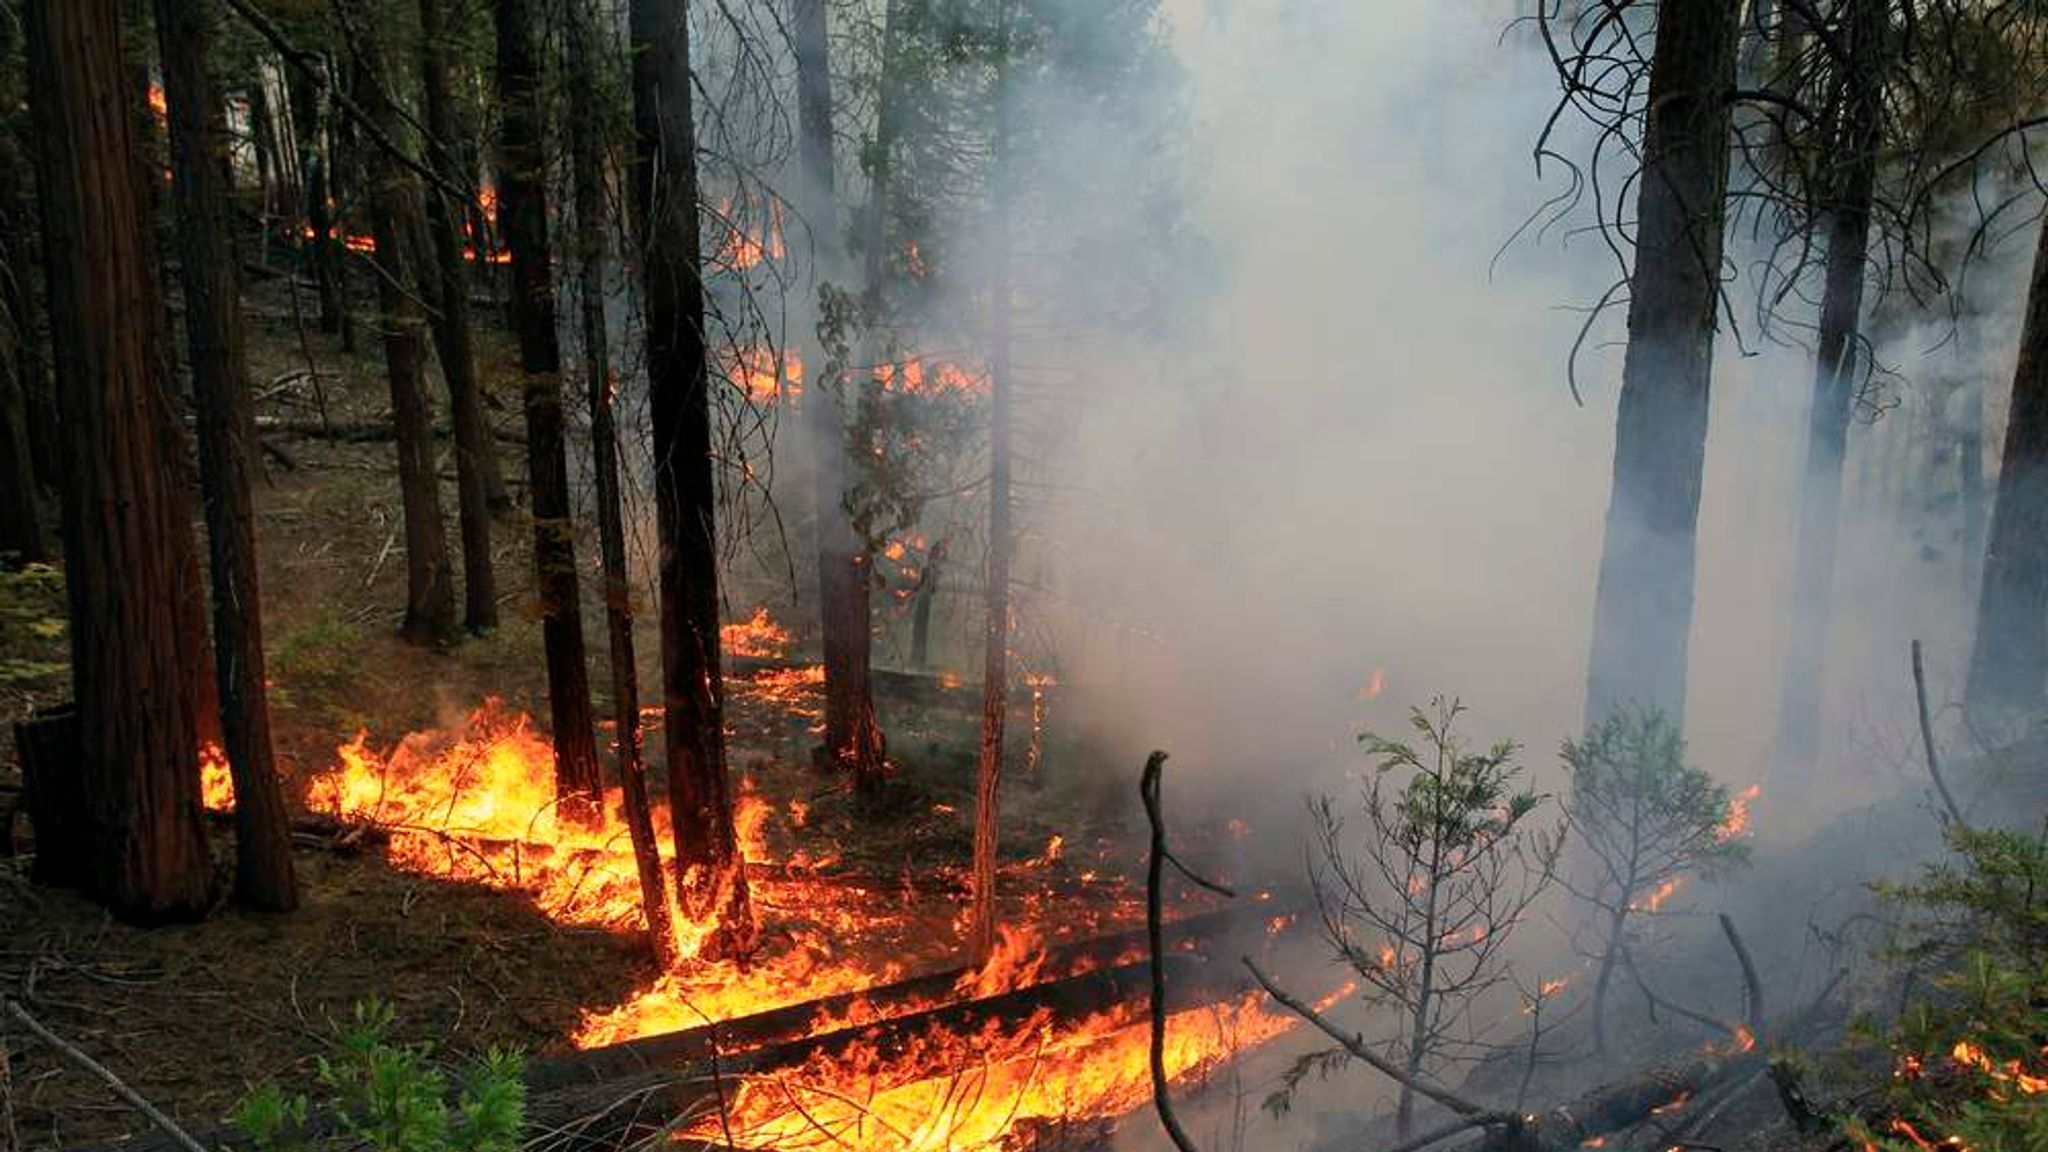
1948 799
1161 855
78 1058
1753 986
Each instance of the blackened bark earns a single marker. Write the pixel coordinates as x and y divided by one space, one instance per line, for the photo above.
128 541
586 148
395 225
995 676
476 460
319 245
1642 611
710 880
2009 663
1835 370
522 190
227 438
853 739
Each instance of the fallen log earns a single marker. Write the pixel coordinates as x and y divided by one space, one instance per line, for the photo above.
1209 933
361 431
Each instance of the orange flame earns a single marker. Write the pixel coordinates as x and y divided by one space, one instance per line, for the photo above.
2005 1072
1737 823
758 635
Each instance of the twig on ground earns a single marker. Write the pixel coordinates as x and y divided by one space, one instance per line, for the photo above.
135 1099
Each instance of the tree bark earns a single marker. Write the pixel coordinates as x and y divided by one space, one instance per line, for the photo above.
395 225
995 677
586 148
853 740
2009 662
1834 387
227 439
319 246
522 190
1642 610
128 540
476 461
710 881
18 244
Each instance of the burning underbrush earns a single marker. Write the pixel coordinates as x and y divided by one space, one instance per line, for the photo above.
475 804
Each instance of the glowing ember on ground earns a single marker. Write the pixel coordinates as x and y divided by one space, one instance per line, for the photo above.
2005 1072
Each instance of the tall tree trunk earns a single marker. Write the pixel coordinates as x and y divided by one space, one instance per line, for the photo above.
396 225
995 676
127 538
1642 611
21 530
320 247
1834 387
853 739
710 880
227 438
2009 662
476 461
522 190
586 148
19 240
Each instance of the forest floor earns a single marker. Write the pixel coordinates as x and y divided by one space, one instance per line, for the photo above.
193 1016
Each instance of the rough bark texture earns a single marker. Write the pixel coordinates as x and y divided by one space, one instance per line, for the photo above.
709 880
522 190
1642 610
319 246
853 738
1834 386
995 677
227 436
586 148
395 225
128 541
18 245
2009 663
476 461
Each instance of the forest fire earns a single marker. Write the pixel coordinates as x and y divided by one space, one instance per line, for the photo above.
913 376
758 636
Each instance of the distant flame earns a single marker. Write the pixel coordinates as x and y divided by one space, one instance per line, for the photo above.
1737 823
758 635
1375 684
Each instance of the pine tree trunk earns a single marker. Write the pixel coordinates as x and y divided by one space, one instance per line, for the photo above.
995 677
476 461
18 242
2009 663
396 225
127 539
522 188
1834 387
710 880
853 740
1642 610
586 149
322 248
227 439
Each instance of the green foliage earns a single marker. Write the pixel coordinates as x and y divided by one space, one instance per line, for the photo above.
1969 1057
32 625
390 1097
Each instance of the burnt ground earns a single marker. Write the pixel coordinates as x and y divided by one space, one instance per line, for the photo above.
192 1016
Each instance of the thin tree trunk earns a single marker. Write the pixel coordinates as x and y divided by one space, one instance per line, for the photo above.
395 225
2009 663
476 461
1642 612
17 289
21 530
995 679
586 148
1834 388
710 879
128 540
853 740
320 246
522 188
227 439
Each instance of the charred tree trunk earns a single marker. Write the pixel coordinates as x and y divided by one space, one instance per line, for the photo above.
127 538
522 190
320 247
395 225
1642 610
227 437
710 880
586 151
1834 386
2009 662
476 461
995 677
853 739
